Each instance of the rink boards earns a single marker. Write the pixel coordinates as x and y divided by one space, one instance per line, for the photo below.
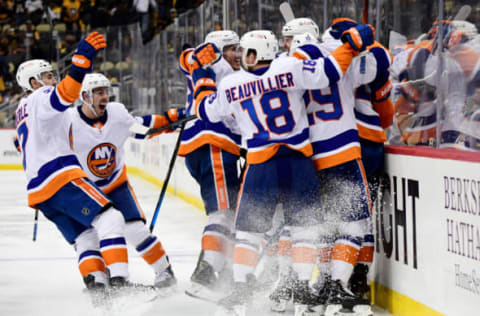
427 227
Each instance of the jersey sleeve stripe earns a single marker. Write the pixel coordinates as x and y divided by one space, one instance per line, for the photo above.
56 103
69 89
332 70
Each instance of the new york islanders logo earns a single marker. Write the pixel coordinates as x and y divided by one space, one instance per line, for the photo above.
102 160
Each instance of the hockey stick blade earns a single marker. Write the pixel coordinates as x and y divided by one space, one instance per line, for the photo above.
286 11
463 13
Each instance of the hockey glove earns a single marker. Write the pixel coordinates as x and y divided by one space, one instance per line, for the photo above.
340 25
359 37
203 80
86 51
205 55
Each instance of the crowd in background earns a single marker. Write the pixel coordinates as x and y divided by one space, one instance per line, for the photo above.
134 52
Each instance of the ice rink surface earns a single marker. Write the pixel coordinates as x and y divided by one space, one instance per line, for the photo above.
41 277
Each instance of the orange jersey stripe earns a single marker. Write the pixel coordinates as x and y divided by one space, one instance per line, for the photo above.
324 254
212 243
54 185
303 255
299 55
154 254
119 181
219 178
346 253
91 265
343 55
245 257
366 254
115 255
371 134
240 192
91 191
267 153
365 184
204 139
285 248
337 159
69 89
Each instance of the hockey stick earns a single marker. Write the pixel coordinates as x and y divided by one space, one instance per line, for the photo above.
463 13
167 178
171 125
35 225
143 130
365 12
286 11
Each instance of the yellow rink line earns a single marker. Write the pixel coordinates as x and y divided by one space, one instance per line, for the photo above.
396 303
185 196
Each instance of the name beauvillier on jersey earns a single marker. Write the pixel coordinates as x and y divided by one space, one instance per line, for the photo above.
258 86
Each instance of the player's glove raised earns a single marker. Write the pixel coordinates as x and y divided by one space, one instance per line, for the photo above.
205 55
86 51
359 37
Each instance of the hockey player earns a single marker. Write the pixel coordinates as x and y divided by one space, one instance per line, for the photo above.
99 131
266 101
298 26
333 126
373 113
211 154
57 185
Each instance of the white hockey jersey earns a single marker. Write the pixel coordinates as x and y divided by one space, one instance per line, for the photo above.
44 134
198 133
269 107
99 148
333 126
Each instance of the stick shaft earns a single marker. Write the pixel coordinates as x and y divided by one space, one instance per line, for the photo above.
167 178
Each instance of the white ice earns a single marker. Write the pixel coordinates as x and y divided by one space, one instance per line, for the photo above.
41 277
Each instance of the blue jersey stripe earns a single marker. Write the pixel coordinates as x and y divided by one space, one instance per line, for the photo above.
51 167
294 140
146 243
56 103
338 141
369 119
331 71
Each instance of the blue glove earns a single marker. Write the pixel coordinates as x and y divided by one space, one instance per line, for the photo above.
340 25
86 51
203 79
359 37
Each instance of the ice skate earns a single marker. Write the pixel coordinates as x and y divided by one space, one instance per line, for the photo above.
358 283
96 290
165 281
282 294
305 301
235 304
203 282
341 302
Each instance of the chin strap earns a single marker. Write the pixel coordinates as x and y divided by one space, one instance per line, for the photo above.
92 108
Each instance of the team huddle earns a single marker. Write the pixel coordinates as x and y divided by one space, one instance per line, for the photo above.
306 119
